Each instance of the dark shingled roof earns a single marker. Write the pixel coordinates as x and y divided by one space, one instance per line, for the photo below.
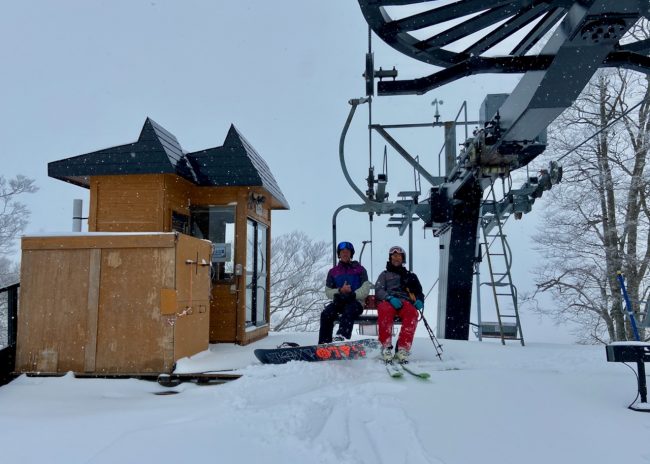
157 151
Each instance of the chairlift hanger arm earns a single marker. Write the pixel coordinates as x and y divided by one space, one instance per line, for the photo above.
353 103
368 207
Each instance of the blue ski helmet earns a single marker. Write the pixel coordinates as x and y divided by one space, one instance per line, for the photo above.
344 246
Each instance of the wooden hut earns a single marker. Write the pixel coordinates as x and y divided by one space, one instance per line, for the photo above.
168 231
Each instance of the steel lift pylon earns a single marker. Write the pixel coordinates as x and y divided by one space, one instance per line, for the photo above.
585 35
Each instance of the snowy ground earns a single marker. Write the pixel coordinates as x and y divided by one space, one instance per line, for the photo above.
485 403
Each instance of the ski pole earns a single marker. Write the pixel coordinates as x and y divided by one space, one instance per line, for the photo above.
434 340
630 313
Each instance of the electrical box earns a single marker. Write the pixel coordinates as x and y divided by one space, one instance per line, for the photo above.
491 105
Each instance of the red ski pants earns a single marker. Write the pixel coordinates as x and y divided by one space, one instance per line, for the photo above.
386 314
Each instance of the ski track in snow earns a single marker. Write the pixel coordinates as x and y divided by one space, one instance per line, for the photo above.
340 412
347 411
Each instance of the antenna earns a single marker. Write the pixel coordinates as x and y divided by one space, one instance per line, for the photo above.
435 103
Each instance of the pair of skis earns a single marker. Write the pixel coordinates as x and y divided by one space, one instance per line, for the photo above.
396 370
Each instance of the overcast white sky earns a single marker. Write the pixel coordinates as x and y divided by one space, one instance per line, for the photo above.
81 75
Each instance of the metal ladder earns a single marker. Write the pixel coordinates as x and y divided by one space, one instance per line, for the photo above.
504 291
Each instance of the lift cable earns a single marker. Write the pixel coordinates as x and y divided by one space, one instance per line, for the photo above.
601 130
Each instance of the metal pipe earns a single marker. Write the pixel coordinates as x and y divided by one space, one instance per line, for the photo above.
424 124
410 263
409 159
367 207
76 215
358 208
354 102
478 300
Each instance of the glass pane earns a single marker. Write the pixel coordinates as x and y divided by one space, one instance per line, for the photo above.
261 249
249 298
250 272
217 224
261 273
4 319
180 222
250 246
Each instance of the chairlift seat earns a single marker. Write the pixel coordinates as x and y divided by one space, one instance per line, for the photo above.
492 330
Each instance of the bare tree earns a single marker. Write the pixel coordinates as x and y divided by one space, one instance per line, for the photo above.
597 221
9 274
298 270
13 219
14 215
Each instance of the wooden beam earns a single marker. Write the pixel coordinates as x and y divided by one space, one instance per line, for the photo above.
93 308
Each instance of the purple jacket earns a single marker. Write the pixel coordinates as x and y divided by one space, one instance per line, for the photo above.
354 274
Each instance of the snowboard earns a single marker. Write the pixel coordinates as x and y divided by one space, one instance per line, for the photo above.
339 351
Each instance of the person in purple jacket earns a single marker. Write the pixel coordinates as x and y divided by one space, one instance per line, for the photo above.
347 286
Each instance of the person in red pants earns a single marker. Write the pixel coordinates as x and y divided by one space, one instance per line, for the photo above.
399 293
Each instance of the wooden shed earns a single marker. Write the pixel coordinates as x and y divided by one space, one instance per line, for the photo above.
112 303
222 195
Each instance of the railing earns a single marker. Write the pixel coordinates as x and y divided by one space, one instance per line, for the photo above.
8 331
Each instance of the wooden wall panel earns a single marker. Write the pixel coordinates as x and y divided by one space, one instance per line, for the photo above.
94 273
176 198
223 314
131 331
206 196
191 332
254 335
109 240
52 330
133 203
192 277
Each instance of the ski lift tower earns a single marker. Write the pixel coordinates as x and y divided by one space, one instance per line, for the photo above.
585 35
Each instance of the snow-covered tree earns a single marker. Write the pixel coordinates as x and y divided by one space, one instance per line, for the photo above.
597 221
298 270
13 220
14 215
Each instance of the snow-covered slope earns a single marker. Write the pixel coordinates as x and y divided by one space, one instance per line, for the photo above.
485 403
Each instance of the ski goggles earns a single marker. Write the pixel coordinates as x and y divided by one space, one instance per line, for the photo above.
344 245
396 249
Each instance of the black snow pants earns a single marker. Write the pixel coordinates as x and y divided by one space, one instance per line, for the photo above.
346 310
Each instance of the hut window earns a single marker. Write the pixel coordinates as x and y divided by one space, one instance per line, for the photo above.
180 222
217 224
256 272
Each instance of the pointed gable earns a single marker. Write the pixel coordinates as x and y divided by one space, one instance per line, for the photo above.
156 137
236 163
156 151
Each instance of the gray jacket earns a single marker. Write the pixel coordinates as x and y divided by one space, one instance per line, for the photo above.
390 284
